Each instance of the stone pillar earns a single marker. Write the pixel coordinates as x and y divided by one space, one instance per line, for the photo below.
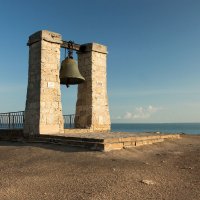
43 112
92 102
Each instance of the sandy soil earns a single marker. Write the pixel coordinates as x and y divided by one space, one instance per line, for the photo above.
169 170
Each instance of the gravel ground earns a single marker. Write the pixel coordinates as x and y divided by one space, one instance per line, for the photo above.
168 170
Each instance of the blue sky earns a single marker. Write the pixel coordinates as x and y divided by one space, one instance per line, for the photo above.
154 53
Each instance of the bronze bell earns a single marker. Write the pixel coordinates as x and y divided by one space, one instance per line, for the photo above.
69 72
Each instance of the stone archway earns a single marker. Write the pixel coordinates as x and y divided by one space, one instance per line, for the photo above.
43 112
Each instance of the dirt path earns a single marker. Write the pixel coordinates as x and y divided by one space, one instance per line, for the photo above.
169 170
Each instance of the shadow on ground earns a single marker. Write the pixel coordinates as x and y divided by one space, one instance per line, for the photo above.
50 146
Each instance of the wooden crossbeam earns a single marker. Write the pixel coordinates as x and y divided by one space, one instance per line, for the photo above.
75 47
64 44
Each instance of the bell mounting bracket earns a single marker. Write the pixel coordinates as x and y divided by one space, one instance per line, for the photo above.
73 46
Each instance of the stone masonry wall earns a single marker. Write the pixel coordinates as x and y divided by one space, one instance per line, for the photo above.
92 102
43 113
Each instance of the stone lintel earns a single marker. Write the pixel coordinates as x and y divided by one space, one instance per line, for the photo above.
94 47
45 35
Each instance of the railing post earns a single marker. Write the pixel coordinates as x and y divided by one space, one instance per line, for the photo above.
9 120
70 121
13 118
1 122
23 119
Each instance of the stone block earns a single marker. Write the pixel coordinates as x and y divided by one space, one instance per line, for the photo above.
127 139
139 143
112 140
49 129
45 35
95 48
113 146
129 144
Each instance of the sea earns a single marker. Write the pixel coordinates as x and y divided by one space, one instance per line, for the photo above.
187 128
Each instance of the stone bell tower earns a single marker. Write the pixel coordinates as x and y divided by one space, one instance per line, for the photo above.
92 104
43 112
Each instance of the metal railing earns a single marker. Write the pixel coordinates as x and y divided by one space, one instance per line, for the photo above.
69 121
12 120
15 120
